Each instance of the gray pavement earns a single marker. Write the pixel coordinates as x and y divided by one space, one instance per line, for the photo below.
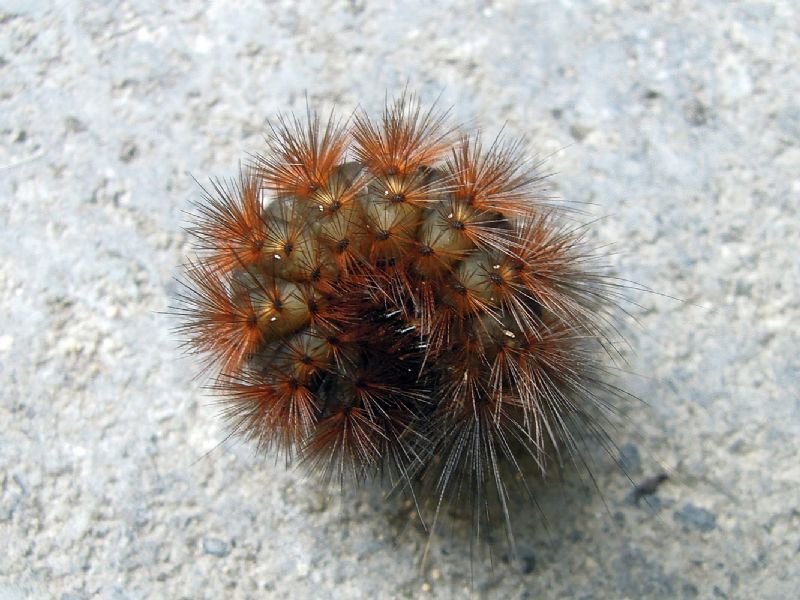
678 122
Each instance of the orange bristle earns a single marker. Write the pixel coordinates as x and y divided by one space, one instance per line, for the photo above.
345 444
223 327
406 139
271 407
495 180
303 156
229 229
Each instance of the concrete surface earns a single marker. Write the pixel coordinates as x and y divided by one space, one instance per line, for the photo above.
679 121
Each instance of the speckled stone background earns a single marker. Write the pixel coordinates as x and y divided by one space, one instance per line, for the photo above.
677 121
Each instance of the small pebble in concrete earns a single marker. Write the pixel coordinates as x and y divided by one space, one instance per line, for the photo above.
647 487
216 547
694 516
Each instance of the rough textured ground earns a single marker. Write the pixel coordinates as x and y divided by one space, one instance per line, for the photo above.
679 120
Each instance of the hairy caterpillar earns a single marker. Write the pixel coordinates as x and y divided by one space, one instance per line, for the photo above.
392 299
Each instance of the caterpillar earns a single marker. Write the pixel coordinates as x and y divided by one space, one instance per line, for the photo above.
394 299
